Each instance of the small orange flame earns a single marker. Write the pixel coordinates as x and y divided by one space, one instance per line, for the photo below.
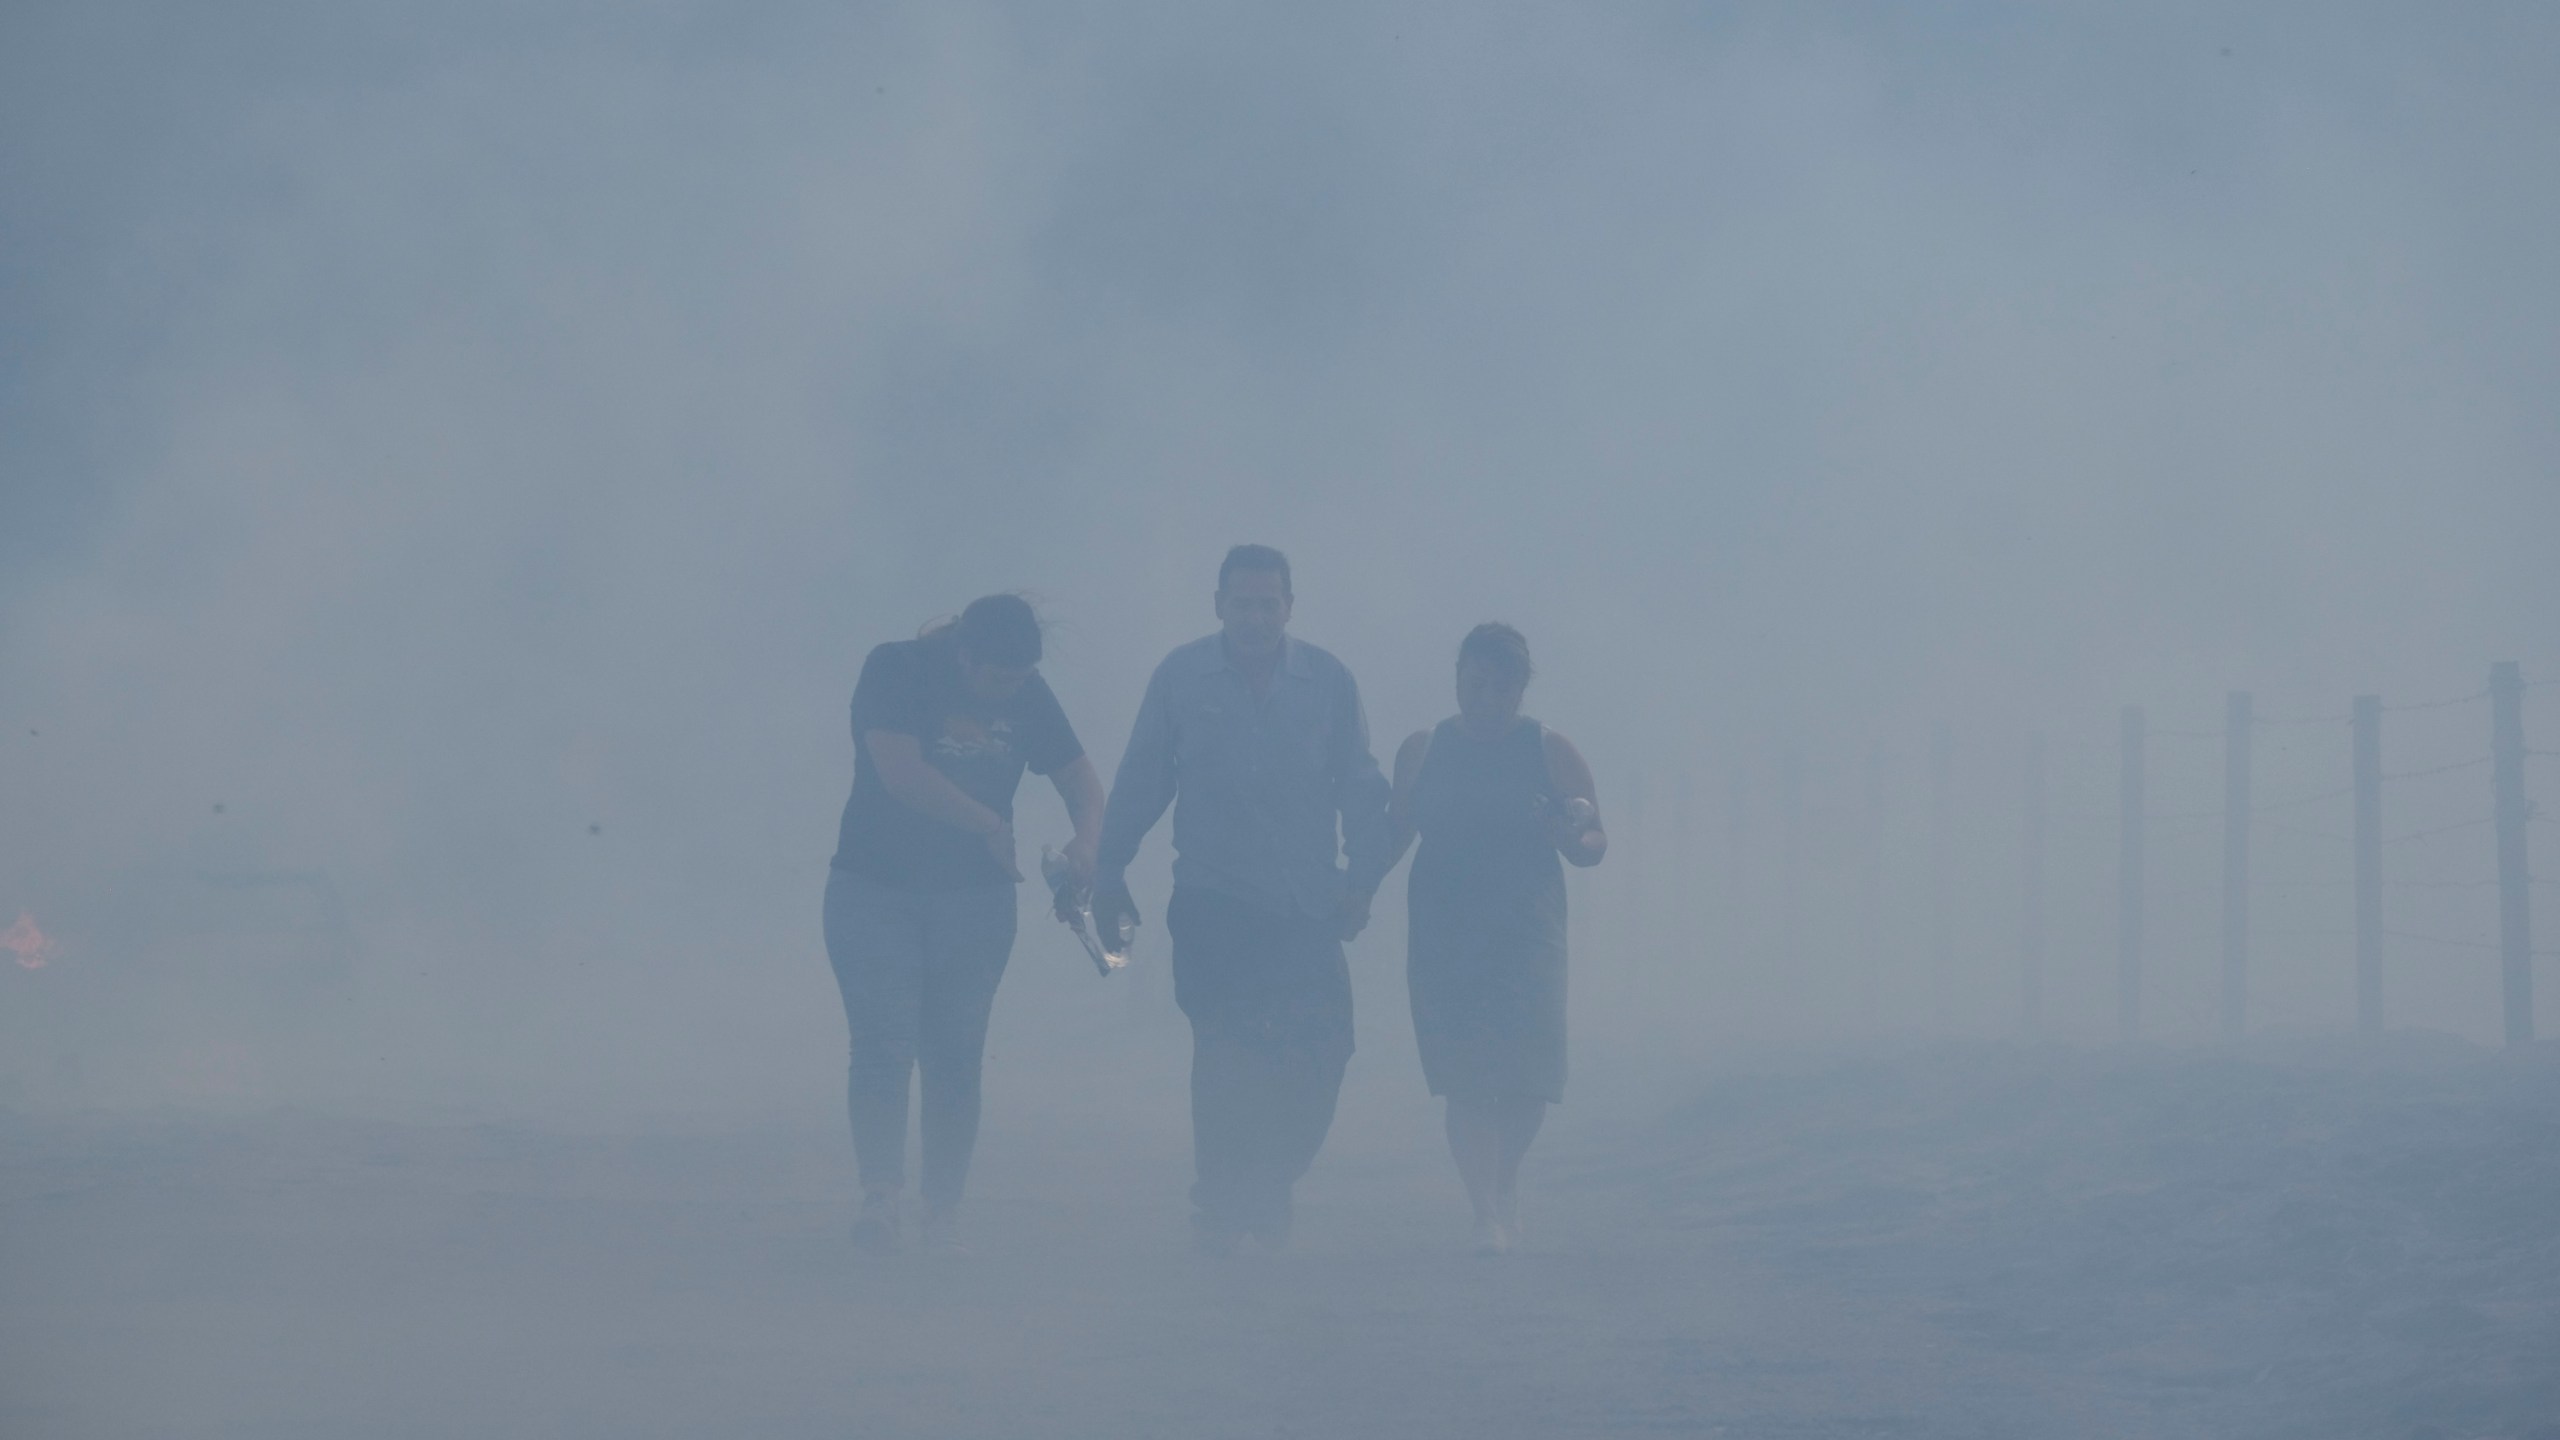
27 942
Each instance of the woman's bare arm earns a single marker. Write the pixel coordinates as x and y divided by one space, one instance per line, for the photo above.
1400 821
1080 785
1570 775
915 784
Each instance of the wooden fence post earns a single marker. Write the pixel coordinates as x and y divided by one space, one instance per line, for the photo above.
2236 723
1741 886
2129 879
2515 903
1632 922
1790 858
1683 855
2366 725
1871 892
1942 947
2031 929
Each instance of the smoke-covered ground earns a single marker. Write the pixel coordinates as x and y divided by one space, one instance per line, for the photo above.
2303 1239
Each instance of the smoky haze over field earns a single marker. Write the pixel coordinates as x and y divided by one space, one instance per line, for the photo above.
432 432
454 460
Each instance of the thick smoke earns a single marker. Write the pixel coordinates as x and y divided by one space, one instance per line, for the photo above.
473 446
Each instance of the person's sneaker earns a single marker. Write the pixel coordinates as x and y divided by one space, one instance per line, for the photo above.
942 1238
876 1229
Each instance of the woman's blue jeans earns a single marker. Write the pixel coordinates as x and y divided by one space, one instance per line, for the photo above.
918 970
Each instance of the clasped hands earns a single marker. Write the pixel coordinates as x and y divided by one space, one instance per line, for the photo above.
1350 915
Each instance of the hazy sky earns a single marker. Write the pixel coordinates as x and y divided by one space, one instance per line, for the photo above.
430 430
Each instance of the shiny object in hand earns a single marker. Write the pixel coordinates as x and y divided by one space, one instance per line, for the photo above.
1075 907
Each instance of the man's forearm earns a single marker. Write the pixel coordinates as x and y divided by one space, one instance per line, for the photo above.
1140 791
1369 840
1121 833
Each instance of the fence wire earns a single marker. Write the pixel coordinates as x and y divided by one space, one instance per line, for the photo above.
2176 844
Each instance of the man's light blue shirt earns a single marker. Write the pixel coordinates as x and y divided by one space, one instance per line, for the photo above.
1258 784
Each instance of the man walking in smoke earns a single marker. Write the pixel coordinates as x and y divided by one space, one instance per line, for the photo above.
1258 742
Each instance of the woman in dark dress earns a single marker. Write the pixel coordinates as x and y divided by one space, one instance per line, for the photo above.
1497 798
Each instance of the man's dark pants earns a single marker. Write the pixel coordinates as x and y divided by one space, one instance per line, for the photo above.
1268 994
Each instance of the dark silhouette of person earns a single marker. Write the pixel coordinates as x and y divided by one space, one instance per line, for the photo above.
920 901
1497 798
1257 741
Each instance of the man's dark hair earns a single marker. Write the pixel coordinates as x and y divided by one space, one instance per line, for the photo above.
999 630
1254 557
1499 646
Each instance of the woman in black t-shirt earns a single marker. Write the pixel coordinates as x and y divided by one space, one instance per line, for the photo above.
920 900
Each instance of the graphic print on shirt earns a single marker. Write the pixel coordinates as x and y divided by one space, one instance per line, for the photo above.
966 739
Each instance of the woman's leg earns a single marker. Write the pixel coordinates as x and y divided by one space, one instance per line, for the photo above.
875 944
1516 1120
971 939
1475 1143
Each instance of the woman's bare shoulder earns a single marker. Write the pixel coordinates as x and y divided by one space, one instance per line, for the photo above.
1565 765
1411 752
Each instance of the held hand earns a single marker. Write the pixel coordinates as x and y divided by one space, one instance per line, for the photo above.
1069 896
999 843
1080 861
1353 916
1115 914
1569 825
